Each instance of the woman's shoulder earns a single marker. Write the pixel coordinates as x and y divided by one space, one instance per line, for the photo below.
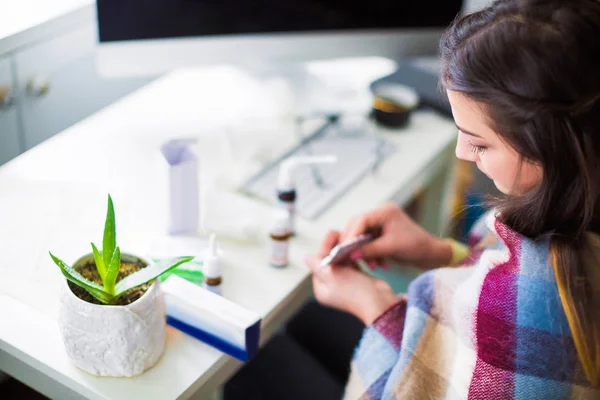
517 280
521 324
481 228
507 306
508 248
510 278
523 256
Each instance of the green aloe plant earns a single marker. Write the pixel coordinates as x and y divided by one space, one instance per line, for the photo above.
108 263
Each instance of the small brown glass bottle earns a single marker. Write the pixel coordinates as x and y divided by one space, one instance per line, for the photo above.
279 240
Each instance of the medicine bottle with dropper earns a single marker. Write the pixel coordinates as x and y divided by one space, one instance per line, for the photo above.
212 268
286 185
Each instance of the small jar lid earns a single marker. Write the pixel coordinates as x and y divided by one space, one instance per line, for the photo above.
402 96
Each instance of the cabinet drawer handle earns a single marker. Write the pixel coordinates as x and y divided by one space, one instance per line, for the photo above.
37 86
6 97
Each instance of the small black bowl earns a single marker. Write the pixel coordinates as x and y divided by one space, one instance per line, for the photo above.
393 104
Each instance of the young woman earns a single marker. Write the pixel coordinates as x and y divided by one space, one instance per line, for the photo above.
519 317
516 315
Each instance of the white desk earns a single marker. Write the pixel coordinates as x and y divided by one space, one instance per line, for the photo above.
53 198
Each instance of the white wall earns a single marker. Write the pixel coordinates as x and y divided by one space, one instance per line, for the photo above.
474 5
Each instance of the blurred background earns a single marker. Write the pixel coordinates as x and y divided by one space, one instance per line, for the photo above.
62 61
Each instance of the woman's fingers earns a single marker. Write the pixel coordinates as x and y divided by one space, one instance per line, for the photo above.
312 262
377 248
356 224
371 219
329 241
375 263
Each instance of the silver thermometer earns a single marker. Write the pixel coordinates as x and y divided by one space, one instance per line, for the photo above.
342 251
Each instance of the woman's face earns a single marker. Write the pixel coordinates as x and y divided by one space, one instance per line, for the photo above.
478 143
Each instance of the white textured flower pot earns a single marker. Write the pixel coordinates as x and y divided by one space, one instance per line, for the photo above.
119 341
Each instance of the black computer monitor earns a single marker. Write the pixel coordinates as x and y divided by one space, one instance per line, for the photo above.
140 37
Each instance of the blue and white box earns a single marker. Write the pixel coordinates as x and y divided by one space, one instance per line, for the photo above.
211 318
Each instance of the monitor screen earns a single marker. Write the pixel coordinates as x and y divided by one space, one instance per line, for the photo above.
125 20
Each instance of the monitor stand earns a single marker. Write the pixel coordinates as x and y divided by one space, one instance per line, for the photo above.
323 87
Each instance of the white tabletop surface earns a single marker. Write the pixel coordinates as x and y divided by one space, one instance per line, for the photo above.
24 21
54 196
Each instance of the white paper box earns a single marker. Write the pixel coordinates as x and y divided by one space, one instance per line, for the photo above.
184 205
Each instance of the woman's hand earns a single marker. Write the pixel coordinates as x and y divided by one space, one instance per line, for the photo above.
401 238
346 288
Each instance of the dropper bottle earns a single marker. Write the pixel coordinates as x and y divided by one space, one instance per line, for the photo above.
286 185
212 268
279 240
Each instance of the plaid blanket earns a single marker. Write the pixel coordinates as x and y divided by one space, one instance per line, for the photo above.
492 328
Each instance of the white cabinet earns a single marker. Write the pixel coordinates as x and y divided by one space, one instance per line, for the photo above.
9 119
59 85
49 81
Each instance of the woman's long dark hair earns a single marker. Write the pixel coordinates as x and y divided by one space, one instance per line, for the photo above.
535 66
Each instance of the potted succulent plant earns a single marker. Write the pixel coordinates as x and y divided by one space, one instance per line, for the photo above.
112 315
